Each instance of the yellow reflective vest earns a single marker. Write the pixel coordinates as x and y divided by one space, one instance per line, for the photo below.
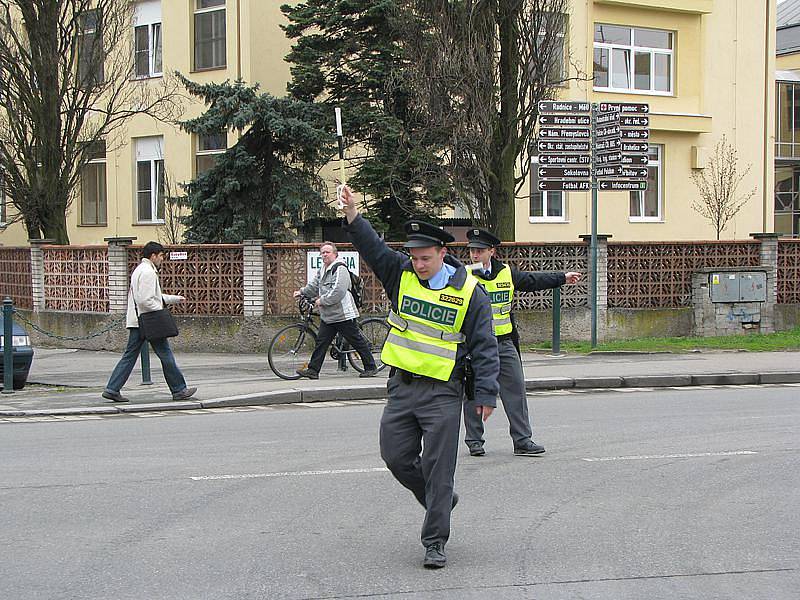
501 294
426 329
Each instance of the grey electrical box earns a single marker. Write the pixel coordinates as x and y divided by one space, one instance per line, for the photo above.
739 287
753 287
725 287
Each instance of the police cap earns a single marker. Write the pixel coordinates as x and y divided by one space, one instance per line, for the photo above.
480 238
424 235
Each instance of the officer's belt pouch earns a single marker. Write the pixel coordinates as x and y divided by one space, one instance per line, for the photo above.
397 321
505 309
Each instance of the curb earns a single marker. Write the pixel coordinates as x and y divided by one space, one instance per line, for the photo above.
378 392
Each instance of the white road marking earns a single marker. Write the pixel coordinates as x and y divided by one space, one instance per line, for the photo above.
289 474
658 456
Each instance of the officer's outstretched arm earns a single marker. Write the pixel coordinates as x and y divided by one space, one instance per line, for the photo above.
533 281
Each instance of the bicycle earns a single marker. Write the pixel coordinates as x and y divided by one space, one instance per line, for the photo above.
292 346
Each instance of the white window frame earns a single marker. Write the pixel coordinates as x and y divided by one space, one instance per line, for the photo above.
533 177
148 14
96 161
211 152
633 49
150 151
658 164
200 11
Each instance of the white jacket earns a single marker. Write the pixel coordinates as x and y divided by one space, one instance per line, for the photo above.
145 290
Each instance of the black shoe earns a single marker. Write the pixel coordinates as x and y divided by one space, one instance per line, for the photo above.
184 394
531 449
455 501
434 556
476 450
307 373
369 373
115 396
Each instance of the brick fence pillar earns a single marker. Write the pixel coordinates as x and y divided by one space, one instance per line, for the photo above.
118 273
602 280
37 273
769 260
253 254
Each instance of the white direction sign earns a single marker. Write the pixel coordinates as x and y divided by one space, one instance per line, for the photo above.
569 185
565 120
565 159
615 185
549 106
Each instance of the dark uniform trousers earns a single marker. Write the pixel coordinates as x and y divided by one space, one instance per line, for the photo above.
512 393
424 413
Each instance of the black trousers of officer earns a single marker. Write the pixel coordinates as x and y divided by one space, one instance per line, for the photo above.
424 413
349 329
512 393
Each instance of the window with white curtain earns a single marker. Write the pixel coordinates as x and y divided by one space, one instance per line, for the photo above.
150 179
147 39
633 59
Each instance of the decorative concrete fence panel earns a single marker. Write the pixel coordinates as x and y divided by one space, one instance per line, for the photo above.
209 276
659 274
76 278
15 276
789 272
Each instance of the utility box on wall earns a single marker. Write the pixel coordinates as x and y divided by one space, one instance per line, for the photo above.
738 287
732 300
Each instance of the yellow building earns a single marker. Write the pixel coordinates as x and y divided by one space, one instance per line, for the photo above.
208 41
705 67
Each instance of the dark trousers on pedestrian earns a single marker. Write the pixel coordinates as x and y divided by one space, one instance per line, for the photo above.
351 332
512 394
124 367
419 443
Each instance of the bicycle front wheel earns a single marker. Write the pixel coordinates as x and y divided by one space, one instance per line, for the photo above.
375 330
290 350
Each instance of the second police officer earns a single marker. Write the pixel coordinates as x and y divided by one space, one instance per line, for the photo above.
501 282
439 315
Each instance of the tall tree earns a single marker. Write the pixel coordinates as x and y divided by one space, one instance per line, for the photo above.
65 73
717 184
478 70
268 182
349 53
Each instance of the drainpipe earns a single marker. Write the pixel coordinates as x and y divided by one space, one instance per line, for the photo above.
767 61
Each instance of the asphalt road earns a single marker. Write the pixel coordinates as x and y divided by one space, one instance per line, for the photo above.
688 493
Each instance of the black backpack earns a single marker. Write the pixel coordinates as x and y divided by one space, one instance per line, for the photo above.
356 287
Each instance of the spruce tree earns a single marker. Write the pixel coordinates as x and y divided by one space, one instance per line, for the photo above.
265 185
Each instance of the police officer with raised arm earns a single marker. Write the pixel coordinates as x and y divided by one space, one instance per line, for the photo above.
500 282
439 315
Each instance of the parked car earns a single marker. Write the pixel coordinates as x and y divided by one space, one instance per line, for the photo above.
23 354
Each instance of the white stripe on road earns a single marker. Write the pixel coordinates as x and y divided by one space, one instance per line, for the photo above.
289 474
657 456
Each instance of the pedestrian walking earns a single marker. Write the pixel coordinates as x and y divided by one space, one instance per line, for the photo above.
439 315
331 294
145 296
501 282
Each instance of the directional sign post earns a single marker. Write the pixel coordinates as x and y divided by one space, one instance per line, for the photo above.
564 185
615 185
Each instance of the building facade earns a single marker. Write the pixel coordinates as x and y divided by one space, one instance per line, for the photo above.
705 67
787 119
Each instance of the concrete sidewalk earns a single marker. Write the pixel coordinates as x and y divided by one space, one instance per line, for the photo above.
71 381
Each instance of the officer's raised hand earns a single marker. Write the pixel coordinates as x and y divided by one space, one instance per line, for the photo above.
572 277
348 200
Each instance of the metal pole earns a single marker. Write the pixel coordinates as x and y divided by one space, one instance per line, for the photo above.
557 320
8 346
144 357
593 247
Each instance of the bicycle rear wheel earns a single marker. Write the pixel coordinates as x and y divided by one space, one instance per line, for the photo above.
290 350
375 330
